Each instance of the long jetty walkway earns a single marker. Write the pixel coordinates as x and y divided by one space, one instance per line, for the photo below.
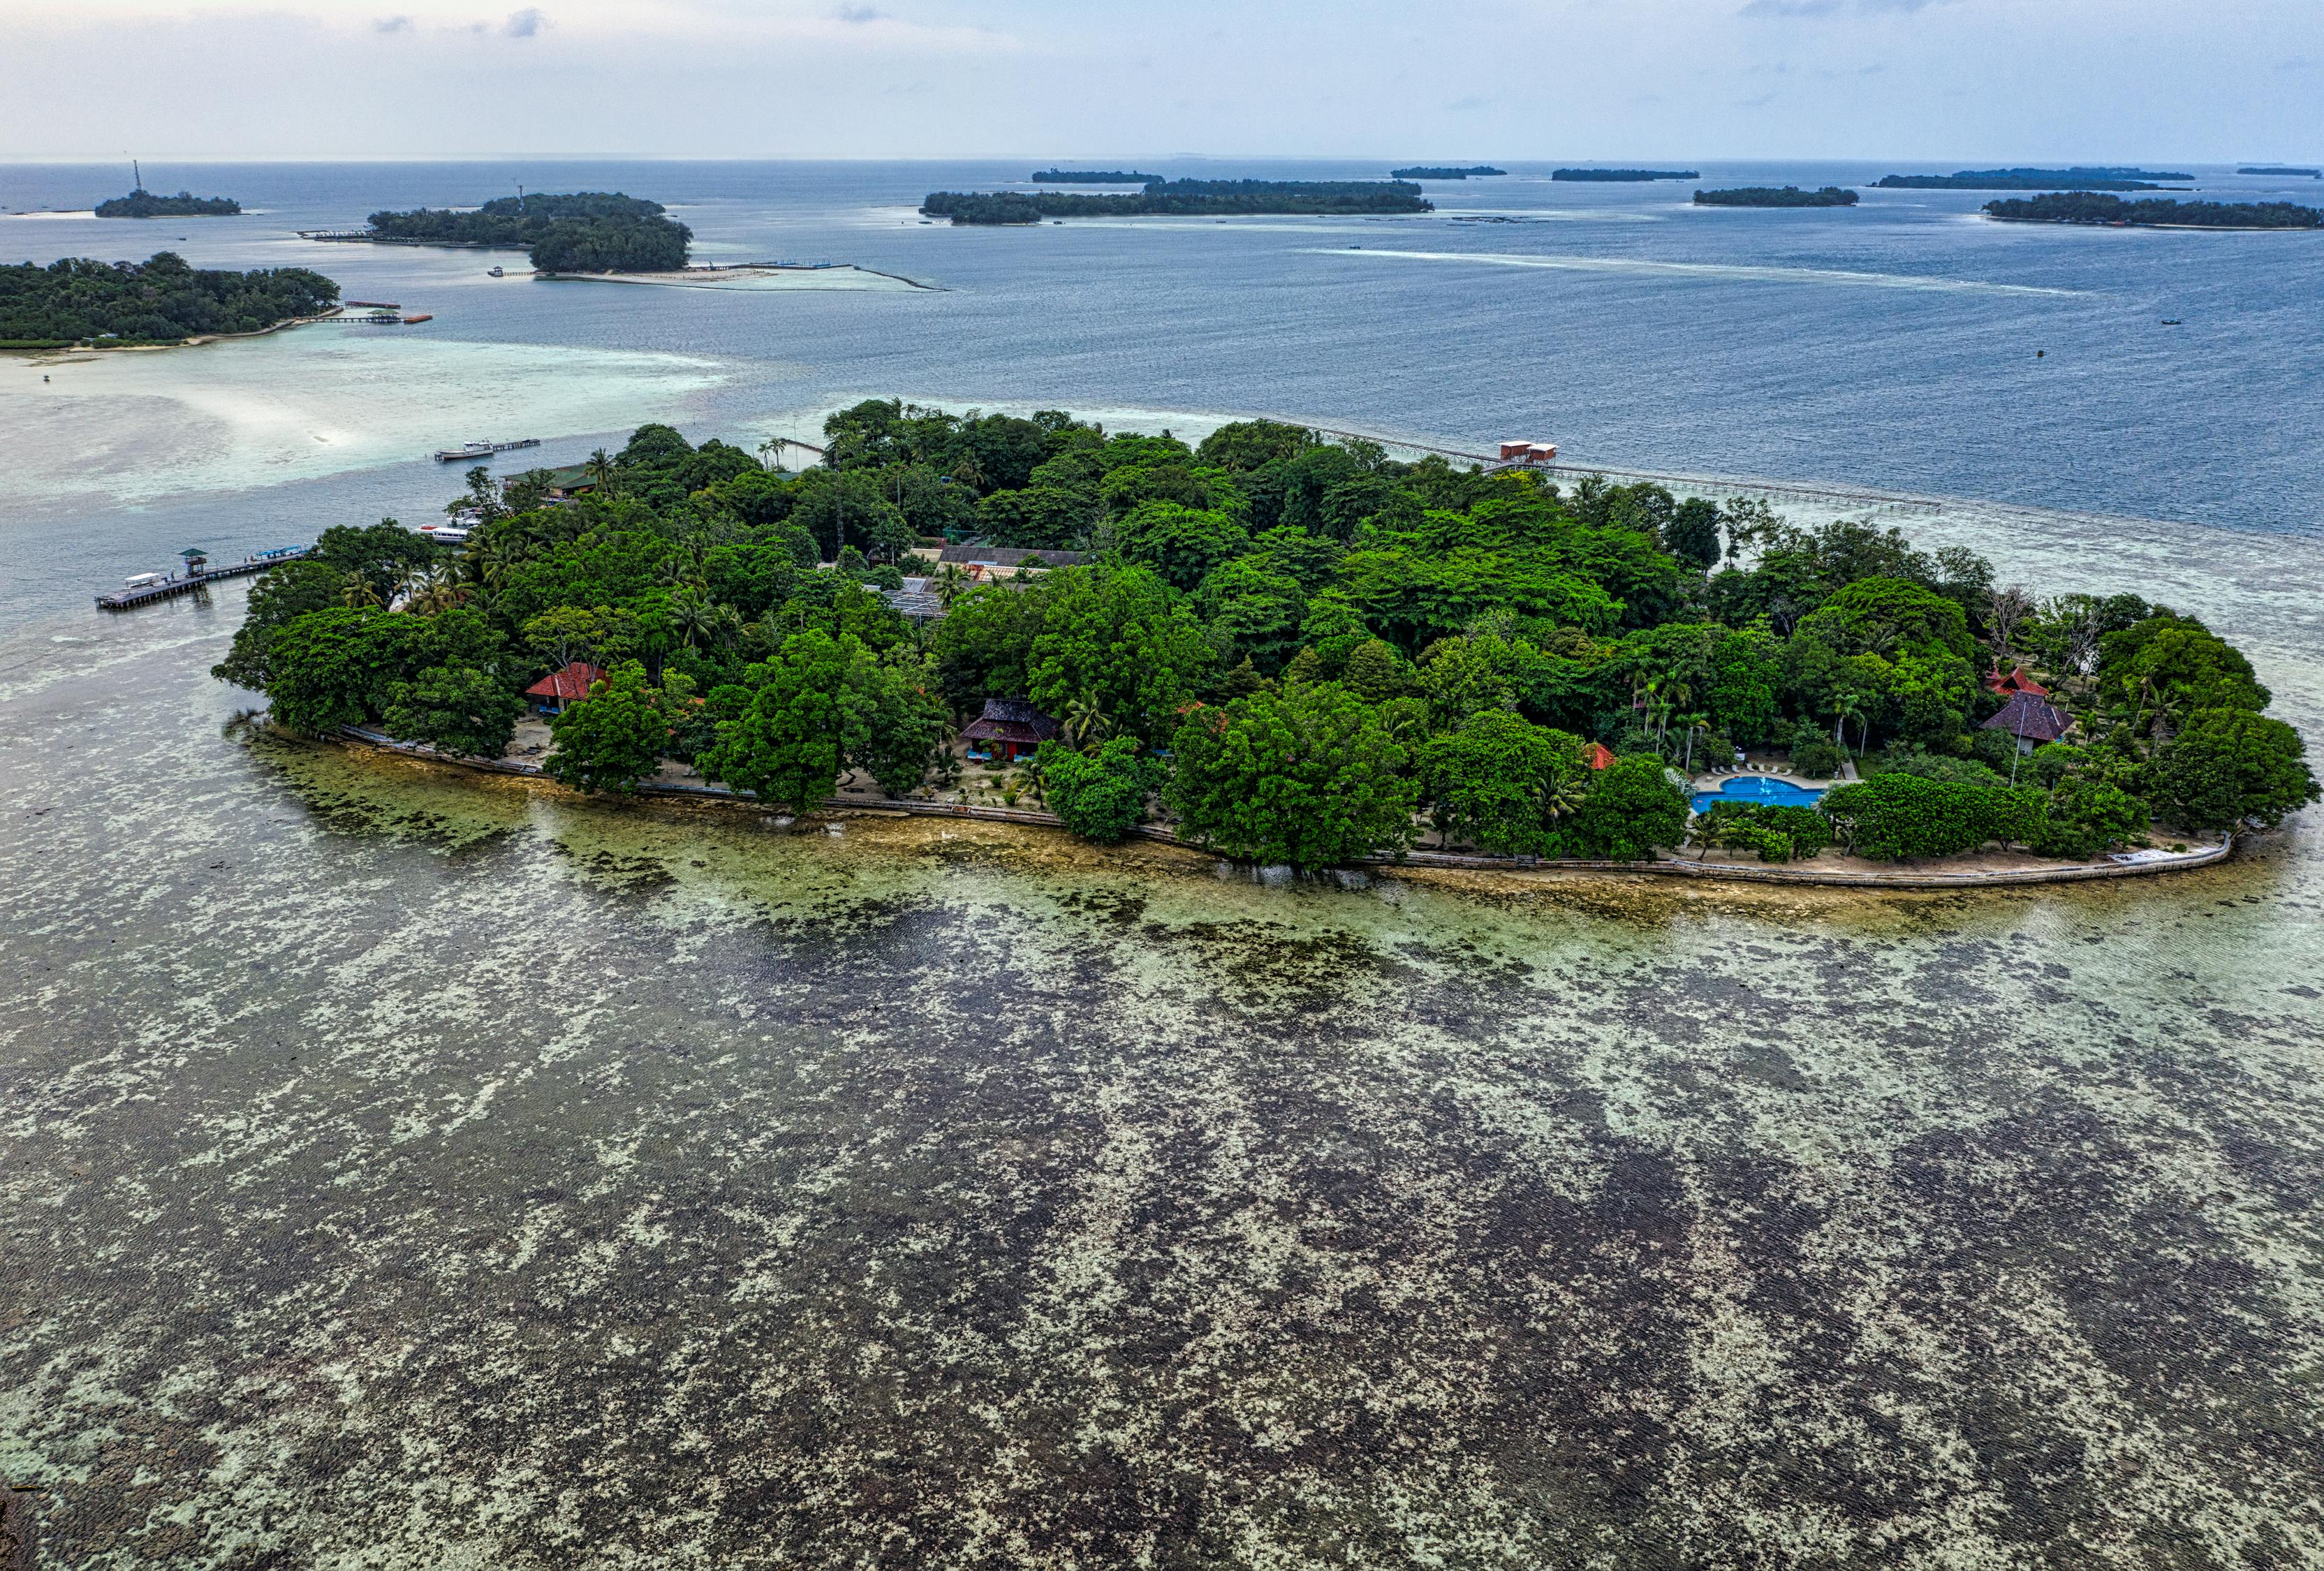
179 583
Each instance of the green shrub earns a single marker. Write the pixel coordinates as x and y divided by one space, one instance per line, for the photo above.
1776 833
1895 816
1632 808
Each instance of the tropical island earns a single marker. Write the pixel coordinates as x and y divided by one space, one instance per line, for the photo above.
1094 176
1620 176
2154 212
142 203
161 300
1431 172
2287 169
1182 198
2104 178
574 232
1278 648
1776 196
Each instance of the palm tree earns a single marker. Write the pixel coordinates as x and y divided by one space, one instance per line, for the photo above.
360 593
1563 793
694 615
601 470
950 583
1846 707
1694 723
1085 721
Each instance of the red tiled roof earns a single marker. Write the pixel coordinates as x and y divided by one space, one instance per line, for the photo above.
2017 681
1597 757
572 683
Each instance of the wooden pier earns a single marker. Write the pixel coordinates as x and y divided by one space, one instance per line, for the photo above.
179 583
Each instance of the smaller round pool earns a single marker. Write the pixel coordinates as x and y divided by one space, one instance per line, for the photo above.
1764 789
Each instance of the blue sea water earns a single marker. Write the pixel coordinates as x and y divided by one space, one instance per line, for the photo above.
1906 344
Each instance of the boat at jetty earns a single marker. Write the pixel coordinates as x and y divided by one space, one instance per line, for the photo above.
482 449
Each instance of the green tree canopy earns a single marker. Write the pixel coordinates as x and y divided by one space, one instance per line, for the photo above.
789 747
613 738
1631 809
2227 765
1099 795
1308 777
1117 635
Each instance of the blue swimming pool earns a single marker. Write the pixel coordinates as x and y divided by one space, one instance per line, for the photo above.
1764 789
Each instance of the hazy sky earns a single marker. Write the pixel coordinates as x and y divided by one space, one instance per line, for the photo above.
1943 79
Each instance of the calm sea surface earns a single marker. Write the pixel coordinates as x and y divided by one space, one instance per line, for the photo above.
400 1170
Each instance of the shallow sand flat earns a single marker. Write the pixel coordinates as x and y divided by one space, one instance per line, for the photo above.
761 279
306 402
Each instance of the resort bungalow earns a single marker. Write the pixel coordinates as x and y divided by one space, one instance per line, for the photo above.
1008 729
564 484
553 692
2033 720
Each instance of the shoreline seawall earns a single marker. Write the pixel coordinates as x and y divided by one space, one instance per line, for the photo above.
1668 867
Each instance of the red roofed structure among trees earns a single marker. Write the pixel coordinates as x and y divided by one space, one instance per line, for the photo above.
2017 681
1597 756
570 685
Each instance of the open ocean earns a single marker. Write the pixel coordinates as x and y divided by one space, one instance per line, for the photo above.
402 1169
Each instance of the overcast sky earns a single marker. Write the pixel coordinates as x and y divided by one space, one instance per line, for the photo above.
2107 80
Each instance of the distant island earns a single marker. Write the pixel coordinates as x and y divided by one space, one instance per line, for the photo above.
2154 212
1094 176
163 300
2104 178
1182 198
1433 171
1776 196
142 203
2305 174
577 232
1628 175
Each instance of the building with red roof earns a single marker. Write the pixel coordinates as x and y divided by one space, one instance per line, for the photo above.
559 688
1597 756
2018 681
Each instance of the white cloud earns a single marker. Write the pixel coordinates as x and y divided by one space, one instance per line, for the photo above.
524 23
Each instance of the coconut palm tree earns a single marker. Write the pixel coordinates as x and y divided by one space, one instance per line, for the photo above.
1846 707
1085 721
601 470
1563 793
694 616
950 583
360 593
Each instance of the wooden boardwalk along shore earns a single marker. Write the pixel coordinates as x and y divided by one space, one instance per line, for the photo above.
179 583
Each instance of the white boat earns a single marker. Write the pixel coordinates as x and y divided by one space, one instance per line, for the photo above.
141 580
473 450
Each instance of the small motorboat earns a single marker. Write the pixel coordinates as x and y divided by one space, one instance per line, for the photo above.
497 272
2173 322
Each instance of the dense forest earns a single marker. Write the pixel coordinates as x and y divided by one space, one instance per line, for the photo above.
163 300
1435 171
2094 208
142 203
574 232
2105 178
1625 176
1293 650
1776 196
1095 177
1181 199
